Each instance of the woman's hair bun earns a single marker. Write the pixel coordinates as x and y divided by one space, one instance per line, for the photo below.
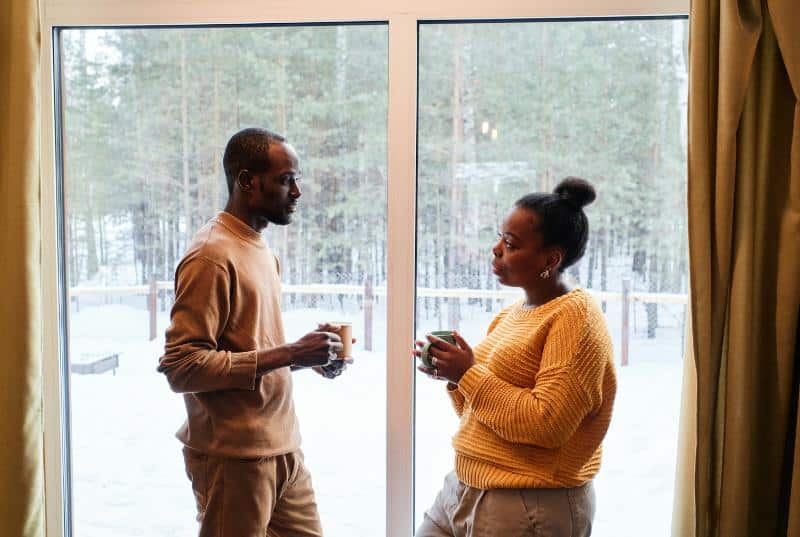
578 192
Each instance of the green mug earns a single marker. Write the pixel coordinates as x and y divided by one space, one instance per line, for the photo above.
446 335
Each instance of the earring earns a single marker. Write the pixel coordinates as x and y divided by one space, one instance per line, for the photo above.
544 274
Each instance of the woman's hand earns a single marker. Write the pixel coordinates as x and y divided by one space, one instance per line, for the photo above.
430 371
450 362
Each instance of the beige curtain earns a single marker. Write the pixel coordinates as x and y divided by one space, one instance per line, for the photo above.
21 461
744 239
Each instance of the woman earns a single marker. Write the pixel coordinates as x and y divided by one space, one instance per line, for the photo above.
535 396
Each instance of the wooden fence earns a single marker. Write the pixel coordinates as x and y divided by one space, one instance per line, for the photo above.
368 294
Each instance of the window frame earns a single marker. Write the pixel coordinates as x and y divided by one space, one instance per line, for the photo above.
403 18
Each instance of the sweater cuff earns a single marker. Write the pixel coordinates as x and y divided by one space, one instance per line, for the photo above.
454 393
243 370
472 380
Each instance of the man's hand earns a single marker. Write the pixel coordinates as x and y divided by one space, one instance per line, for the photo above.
334 368
327 327
316 348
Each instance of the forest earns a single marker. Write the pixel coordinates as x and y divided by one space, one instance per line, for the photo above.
503 109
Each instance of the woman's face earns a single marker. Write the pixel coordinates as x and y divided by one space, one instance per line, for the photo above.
519 257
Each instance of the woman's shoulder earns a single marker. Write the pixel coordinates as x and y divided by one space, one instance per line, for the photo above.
578 307
582 313
575 302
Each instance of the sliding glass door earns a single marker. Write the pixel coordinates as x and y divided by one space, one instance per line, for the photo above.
146 115
508 108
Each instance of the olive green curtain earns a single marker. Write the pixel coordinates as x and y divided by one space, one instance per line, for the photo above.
21 435
739 467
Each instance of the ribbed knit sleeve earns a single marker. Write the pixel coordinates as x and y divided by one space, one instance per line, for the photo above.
565 390
457 399
192 361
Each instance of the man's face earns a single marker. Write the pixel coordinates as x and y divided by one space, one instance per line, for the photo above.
276 192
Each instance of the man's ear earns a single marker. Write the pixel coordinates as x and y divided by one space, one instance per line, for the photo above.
245 180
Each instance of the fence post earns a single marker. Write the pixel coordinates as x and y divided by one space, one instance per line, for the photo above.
368 300
152 306
626 306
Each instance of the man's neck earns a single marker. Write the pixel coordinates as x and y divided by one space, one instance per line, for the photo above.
257 224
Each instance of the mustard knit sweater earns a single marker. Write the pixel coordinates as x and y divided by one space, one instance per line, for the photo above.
537 403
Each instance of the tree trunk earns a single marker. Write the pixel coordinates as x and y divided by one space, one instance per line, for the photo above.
604 253
285 232
91 240
171 232
453 313
101 228
137 210
218 175
652 309
187 211
592 261
72 248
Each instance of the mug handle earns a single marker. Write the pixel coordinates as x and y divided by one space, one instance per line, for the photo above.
424 356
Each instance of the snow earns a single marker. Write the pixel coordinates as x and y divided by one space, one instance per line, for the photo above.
128 475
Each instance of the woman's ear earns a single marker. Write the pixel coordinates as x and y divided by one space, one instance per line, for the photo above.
554 259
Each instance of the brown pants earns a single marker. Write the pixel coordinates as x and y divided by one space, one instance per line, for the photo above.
463 511
268 497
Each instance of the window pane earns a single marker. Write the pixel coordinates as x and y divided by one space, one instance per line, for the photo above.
147 113
511 108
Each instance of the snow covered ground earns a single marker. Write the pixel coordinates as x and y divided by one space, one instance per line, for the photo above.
128 476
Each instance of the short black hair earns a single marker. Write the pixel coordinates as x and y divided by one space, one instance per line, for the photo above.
563 222
247 150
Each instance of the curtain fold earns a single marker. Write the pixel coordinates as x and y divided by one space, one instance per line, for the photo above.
744 240
683 509
785 16
21 435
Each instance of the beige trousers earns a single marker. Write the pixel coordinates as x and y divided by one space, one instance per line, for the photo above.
462 511
268 497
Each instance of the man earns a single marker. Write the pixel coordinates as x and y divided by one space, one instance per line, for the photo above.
225 351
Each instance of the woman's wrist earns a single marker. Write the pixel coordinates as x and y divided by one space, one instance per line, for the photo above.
462 373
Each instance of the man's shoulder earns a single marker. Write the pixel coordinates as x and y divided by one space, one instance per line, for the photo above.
211 244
